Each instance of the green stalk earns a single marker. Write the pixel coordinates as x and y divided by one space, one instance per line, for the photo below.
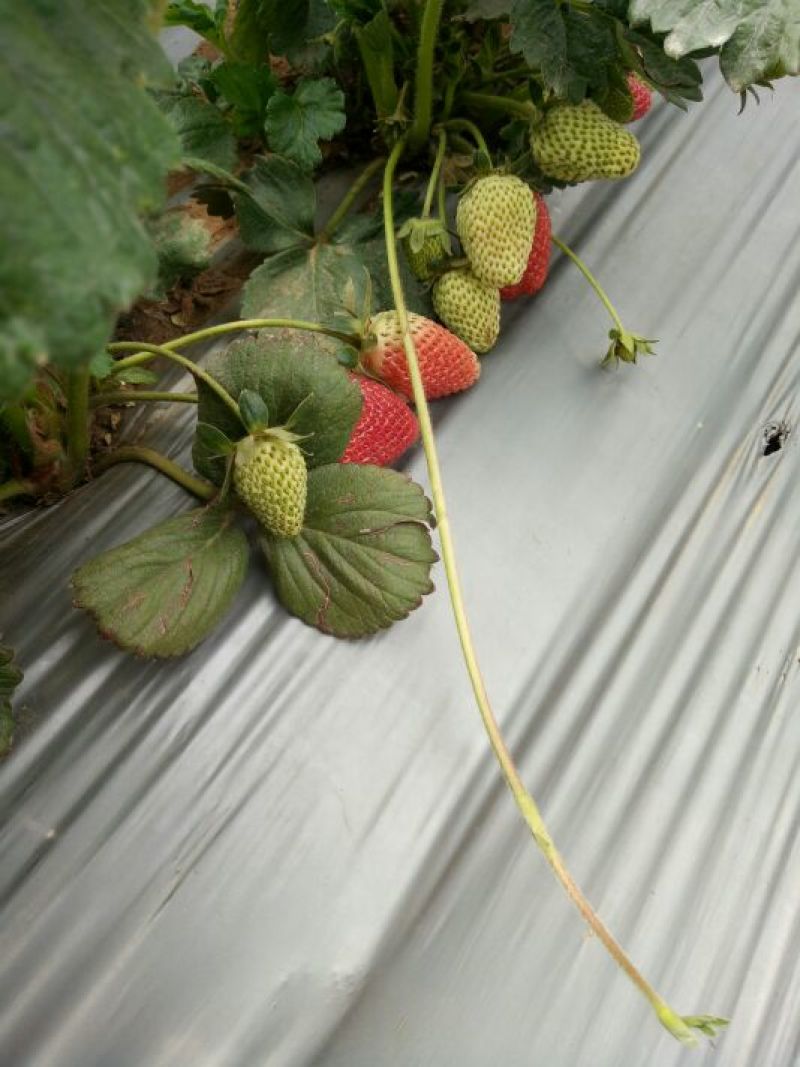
349 199
16 487
78 419
144 353
590 278
528 808
423 80
473 130
519 108
133 396
433 181
148 456
13 418
193 369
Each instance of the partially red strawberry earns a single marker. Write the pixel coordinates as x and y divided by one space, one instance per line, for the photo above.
446 364
642 97
538 261
385 428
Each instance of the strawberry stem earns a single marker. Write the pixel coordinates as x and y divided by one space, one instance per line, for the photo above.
148 456
680 1028
433 181
590 278
524 109
16 487
423 80
197 372
144 355
471 128
131 396
349 199
78 419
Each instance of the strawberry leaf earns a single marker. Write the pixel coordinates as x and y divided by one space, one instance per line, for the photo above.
306 283
277 211
286 373
297 122
756 39
375 44
572 50
247 88
10 677
163 592
183 247
486 9
363 558
203 130
83 150
363 236
291 26
198 17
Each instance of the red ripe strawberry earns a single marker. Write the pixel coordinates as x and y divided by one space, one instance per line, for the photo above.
446 364
642 97
538 261
385 428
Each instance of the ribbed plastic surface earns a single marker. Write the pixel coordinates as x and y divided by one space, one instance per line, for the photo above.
284 850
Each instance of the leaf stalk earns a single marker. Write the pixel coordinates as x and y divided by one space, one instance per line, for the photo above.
150 458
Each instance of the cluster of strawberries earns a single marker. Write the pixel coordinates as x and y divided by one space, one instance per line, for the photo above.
505 232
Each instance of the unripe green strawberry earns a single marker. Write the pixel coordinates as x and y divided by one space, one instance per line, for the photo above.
578 143
469 308
270 477
495 219
425 242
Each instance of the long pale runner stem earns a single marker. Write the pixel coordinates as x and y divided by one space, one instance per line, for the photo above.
680 1028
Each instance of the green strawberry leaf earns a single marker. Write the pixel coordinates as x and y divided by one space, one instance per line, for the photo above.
277 211
363 558
162 593
285 371
247 88
183 246
297 122
10 677
616 100
362 236
251 27
486 9
203 130
83 150
198 17
292 26
756 39
306 283
677 80
101 365
375 45
572 50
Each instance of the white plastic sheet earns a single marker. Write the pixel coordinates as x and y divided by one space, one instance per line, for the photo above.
286 850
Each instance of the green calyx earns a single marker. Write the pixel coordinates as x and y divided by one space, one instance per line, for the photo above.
626 347
426 243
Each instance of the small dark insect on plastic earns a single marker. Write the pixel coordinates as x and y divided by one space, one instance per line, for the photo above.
775 434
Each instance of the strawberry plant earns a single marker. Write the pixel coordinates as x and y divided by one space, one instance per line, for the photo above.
458 118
